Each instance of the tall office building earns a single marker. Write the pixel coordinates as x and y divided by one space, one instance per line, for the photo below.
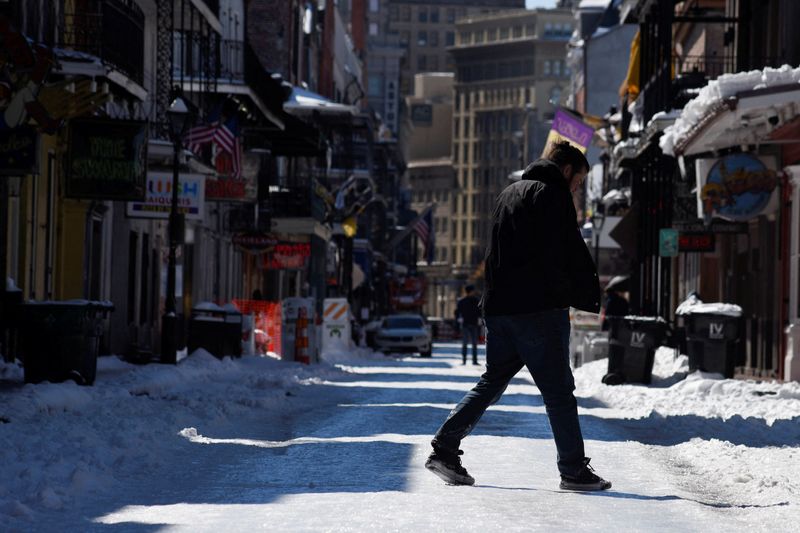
510 71
406 37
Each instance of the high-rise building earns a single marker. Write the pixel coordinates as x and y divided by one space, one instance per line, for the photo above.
406 37
510 74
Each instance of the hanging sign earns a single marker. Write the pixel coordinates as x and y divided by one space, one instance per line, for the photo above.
736 187
570 129
255 242
18 151
158 201
106 159
287 256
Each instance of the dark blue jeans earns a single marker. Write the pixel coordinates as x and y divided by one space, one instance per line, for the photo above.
469 335
539 341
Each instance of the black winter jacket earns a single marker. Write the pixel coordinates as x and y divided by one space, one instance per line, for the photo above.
537 259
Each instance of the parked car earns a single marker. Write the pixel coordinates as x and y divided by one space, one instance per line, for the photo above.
404 333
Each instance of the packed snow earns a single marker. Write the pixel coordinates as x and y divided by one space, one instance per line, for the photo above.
716 92
256 443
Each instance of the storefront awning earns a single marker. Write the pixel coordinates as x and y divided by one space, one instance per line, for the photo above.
736 109
303 102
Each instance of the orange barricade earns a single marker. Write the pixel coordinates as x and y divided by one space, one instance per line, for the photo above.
267 319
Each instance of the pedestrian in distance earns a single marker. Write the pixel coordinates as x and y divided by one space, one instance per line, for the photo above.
537 266
468 314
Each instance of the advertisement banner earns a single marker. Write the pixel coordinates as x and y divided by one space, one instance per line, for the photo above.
737 187
570 129
106 159
18 151
158 199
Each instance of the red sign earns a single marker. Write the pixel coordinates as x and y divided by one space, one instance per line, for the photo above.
696 242
255 242
288 255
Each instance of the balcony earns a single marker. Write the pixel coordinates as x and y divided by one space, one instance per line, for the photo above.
112 30
295 202
711 66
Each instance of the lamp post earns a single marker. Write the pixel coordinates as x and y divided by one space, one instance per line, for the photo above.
179 117
598 219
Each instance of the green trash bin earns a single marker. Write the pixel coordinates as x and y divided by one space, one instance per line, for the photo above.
60 340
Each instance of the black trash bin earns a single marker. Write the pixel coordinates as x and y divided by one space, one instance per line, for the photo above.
218 330
61 340
713 342
632 343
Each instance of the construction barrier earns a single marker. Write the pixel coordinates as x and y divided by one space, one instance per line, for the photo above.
336 333
266 332
298 330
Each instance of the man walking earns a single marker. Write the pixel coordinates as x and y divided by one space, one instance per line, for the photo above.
467 314
537 266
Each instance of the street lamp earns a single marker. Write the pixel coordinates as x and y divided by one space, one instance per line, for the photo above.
180 118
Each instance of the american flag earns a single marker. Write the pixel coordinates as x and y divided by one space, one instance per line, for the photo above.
198 137
423 227
225 137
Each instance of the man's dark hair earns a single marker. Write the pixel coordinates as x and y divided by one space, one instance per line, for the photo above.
469 288
563 153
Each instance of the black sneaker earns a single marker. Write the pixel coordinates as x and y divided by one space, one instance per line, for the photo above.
447 465
585 479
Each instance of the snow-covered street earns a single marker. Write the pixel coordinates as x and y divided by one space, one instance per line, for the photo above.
256 444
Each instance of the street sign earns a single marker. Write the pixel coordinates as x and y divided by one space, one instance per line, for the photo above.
158 201
668 242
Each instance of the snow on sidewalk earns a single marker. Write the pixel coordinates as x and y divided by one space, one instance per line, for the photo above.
255 444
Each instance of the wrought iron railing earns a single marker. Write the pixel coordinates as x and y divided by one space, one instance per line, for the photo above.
712 66
231 60
295 202
112 30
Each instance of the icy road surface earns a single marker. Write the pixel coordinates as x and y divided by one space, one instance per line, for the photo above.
219 447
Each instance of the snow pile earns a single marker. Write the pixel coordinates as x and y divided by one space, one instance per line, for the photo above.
60 442
716 92
701 395
693 304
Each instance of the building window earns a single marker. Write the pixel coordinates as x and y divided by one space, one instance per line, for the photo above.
422 38
557 68
517 32
503 34
373 28
455 152
394 13
433 63
422 62
467 132
491 35
405 38
405 13
422 14
530 30
547 68
373 5
466 37
479 37
555 95
434 36
451 15
450 38
435 14
548 29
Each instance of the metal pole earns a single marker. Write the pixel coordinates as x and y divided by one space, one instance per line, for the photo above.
170 319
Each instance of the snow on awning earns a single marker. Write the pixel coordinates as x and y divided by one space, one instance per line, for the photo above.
735 109
305 102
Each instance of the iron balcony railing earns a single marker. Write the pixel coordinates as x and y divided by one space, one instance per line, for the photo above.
213 6
112 30
231 60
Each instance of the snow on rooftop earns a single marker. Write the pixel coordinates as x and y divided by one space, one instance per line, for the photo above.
716 92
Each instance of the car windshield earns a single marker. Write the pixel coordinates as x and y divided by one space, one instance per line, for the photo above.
409 322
